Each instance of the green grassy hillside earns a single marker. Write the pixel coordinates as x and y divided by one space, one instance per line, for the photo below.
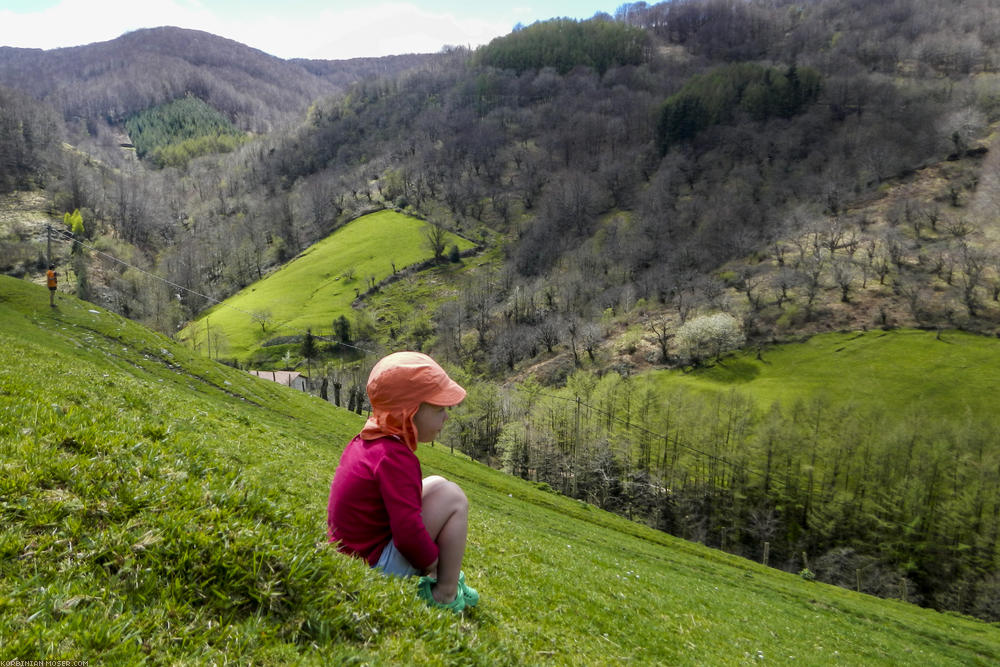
157 507
316 287
944 375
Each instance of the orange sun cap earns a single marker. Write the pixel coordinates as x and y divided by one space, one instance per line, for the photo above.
404 380
397 385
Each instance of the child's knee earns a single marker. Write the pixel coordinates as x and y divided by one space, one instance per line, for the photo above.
458 496
437 489
452 495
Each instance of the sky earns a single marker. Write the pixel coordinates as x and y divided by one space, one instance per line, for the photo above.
328 30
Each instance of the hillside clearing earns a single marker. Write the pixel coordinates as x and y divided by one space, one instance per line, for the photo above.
315 288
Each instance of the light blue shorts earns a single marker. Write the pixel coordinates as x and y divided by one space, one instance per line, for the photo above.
393 563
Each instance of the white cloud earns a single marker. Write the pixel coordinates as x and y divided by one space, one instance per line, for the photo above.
373 30
395 28
74 22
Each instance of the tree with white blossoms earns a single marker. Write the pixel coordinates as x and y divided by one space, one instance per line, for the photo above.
709 335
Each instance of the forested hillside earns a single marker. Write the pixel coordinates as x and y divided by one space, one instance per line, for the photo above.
29 135
111 80
96 87
614 204
623 165
654 188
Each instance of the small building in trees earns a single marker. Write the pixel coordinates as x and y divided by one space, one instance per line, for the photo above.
292 379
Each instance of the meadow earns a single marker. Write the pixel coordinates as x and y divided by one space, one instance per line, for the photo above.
157 507
942 375
316 287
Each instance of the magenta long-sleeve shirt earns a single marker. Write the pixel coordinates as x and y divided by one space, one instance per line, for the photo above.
376 497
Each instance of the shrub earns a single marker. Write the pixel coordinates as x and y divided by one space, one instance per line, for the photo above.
709 335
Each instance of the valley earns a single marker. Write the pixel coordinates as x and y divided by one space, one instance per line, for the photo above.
722 280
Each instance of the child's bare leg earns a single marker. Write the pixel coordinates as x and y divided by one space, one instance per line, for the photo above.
446 516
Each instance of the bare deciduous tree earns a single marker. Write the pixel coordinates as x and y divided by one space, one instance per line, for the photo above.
548 333
262 317
973 265
661 329
843 275
435 238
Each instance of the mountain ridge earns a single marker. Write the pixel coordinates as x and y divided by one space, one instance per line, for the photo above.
259 89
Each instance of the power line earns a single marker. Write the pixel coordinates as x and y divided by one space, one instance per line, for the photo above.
66 236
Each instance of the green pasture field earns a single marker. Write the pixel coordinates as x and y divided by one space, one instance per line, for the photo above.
159 508
902 370
318 286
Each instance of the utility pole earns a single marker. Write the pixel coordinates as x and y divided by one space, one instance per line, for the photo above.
48 238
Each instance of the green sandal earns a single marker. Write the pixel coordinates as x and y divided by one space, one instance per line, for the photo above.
470 594
424 593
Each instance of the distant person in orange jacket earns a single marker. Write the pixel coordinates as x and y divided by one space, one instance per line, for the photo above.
380 509
52 279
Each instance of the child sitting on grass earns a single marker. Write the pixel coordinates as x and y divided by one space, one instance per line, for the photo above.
380 509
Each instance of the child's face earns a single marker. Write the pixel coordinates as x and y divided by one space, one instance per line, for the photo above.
429 420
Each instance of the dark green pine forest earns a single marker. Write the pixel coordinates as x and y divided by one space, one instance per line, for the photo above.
174 133
662 199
